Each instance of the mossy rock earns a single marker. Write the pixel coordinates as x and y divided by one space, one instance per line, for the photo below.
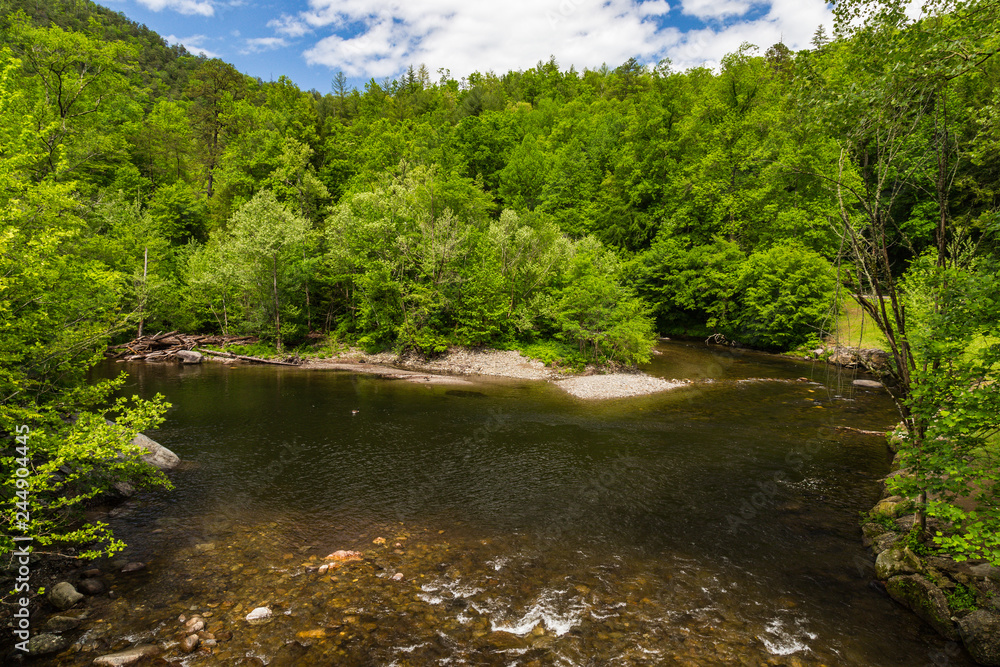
892 506
896 561
925 600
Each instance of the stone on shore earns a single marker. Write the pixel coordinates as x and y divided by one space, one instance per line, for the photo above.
128 656
63 595
926 600
189 356
895 561
980 632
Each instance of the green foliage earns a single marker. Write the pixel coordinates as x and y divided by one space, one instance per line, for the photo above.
785 296
553 353
955 401
914 541
962 598
58 307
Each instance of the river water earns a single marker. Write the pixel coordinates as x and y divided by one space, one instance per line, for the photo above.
715 524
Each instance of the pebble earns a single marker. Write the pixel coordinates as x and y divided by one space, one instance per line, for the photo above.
398 576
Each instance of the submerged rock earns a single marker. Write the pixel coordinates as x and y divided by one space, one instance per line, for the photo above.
91 586
980 632
64 595
868 384
46 643
190 643
926 600
135 566
128 656
62 623
343 556
259 615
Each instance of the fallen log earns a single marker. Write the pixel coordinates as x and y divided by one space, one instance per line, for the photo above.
244 357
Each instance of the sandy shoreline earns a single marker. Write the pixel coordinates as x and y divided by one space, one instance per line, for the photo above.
460 363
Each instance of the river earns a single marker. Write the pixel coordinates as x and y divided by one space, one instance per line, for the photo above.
715 524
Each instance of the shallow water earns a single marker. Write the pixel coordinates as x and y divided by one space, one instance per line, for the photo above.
716 524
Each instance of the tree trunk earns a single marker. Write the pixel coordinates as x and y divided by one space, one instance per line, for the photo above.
142 300
277 311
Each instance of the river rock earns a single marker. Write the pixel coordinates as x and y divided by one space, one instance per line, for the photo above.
343 556
894 561
259 615
157 455
980 632
134 566
63 595
868 384
925 600
62 623
128 656
194 625
189 356
190 643
46 643
884 541
91 586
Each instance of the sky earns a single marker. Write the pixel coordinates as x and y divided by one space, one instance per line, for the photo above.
310 40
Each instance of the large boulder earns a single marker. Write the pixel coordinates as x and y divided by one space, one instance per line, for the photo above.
981 634
63 595
926 600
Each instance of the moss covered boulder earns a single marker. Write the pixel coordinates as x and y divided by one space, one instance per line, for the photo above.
926 600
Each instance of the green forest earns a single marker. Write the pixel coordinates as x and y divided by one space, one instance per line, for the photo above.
144 188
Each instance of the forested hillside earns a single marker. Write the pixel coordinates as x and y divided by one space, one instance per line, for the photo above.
426 211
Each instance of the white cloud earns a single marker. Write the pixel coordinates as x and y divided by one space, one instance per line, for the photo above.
259 44
792 22
187 7
715 9
290 26
192 44
516 34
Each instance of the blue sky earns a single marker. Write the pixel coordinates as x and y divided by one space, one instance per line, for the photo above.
309 40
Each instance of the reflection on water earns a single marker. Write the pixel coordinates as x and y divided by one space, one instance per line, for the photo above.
715 524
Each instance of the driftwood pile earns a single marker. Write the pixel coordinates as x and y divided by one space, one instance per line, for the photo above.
166 346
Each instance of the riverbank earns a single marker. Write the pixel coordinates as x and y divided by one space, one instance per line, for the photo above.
959 599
